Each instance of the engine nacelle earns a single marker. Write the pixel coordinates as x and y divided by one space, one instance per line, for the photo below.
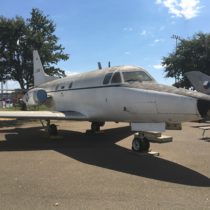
35 96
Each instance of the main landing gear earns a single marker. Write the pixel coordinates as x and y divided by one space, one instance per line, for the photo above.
140 143
95 127
51 128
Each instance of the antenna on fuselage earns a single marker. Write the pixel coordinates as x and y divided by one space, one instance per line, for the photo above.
99 66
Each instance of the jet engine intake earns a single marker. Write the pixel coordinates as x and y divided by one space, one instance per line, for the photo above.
35 97
40 96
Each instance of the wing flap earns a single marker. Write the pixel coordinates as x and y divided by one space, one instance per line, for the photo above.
43 115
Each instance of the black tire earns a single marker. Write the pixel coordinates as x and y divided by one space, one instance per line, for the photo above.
95 127
137 145
52 130
101 124
146 144
140 144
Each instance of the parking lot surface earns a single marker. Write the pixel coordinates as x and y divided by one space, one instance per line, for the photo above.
79 171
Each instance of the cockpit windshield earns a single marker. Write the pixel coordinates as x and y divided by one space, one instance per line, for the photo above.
136 76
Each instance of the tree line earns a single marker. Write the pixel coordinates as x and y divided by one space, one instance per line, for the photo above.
192 54
18 39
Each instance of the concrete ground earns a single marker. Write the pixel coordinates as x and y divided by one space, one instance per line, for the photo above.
100 171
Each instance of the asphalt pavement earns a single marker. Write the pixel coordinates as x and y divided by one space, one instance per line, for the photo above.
80 171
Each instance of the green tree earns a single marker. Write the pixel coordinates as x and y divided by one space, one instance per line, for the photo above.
18 38
10 60
190 55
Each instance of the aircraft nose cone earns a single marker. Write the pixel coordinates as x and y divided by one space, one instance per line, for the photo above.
203 107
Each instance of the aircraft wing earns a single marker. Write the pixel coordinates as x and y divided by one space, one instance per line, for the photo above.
43 115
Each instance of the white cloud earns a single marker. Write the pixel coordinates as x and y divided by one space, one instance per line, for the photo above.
157 40
69 73
182 8
127 29
162 28
157 66
143 33
127 53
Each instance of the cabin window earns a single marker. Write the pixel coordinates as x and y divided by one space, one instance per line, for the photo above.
107 78
70 85
116 78
133 76
62 87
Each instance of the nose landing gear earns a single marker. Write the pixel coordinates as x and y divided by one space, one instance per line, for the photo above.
140 144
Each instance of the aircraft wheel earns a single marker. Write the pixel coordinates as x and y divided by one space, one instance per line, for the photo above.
140 144
52 130
95 127
146 144
137 145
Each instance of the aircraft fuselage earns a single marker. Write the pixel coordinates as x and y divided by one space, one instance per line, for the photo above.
121 100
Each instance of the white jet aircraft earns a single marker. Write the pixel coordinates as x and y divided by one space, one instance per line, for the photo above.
119 94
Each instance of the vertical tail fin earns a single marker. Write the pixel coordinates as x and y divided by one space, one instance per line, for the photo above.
40 76
200 81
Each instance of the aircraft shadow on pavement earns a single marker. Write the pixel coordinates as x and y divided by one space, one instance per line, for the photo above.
100 150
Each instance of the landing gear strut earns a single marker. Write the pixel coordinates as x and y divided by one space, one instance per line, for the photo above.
140 144
95 127
51 128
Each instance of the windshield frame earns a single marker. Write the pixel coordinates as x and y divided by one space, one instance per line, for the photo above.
146 77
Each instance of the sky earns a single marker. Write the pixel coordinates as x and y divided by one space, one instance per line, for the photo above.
126 32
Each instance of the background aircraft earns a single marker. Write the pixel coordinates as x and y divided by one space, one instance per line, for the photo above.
200 81
119 94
